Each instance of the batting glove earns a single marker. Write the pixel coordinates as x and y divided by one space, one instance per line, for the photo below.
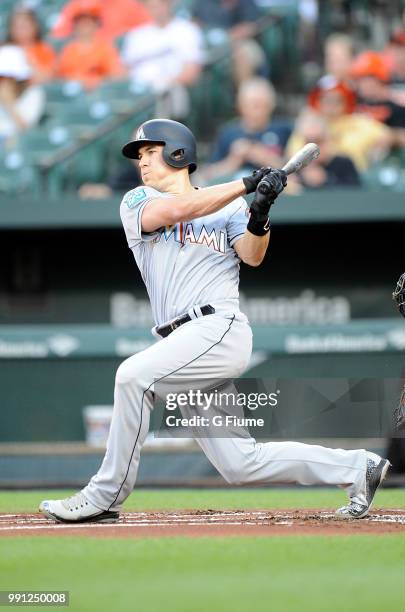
251 182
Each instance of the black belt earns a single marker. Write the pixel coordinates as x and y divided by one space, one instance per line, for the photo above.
165 330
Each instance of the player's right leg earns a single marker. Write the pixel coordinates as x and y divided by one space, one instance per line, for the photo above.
242 460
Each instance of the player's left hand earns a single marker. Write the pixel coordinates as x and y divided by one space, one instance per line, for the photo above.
251 182
399 294
271 185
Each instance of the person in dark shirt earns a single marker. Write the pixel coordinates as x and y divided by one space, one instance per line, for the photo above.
253 139
328 170
230 15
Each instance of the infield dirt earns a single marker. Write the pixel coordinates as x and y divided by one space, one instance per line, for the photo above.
203 523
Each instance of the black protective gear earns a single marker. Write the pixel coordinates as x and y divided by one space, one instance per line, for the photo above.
180 147
251 182
272 184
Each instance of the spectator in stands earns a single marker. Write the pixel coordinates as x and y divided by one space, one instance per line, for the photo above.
89 58
328 170
394 58
24 30
117 17
165 56
253 139
339 56
238 20
359 137
21 103
371 76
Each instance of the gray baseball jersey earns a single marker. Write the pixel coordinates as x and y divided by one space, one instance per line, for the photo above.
187 264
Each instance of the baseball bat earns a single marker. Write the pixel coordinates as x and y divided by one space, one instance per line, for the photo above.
302 158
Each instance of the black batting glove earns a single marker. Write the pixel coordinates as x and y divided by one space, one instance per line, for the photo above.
251 182
270 186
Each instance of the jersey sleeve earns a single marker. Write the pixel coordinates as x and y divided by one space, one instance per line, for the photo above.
132 207
237 220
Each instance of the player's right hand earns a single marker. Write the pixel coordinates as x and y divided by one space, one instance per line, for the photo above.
251 182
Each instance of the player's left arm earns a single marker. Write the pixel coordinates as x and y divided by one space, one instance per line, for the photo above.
251 249
252 246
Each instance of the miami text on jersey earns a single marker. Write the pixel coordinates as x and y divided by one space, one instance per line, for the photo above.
186 232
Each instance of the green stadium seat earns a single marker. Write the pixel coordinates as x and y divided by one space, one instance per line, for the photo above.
387 175
42 143
85 116
40 146
60 94
89 165
17 175
120 95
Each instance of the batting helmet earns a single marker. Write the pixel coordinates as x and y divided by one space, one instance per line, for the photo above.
179 149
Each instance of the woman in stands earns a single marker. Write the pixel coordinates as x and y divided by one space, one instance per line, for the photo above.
21 102
24 30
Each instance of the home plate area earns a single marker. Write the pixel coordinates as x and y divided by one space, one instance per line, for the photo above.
195 523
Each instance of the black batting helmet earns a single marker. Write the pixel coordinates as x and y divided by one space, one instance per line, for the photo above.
179 143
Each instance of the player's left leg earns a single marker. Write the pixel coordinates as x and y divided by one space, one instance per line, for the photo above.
242 460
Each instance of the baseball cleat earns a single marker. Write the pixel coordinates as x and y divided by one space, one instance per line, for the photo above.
76 509
377 469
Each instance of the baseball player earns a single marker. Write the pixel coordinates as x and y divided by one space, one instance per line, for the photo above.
188 244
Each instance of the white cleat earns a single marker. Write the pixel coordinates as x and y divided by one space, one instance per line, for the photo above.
377 469
76 509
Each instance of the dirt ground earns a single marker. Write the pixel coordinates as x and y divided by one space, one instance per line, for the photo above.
200 523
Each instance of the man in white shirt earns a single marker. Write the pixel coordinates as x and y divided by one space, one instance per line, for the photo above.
166 55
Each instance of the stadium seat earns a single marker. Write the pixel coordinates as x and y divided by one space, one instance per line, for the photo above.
387 175
40 146
17 175
59 94
41 143
84 116
121 96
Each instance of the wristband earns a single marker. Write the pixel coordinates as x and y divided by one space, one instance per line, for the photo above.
258 227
